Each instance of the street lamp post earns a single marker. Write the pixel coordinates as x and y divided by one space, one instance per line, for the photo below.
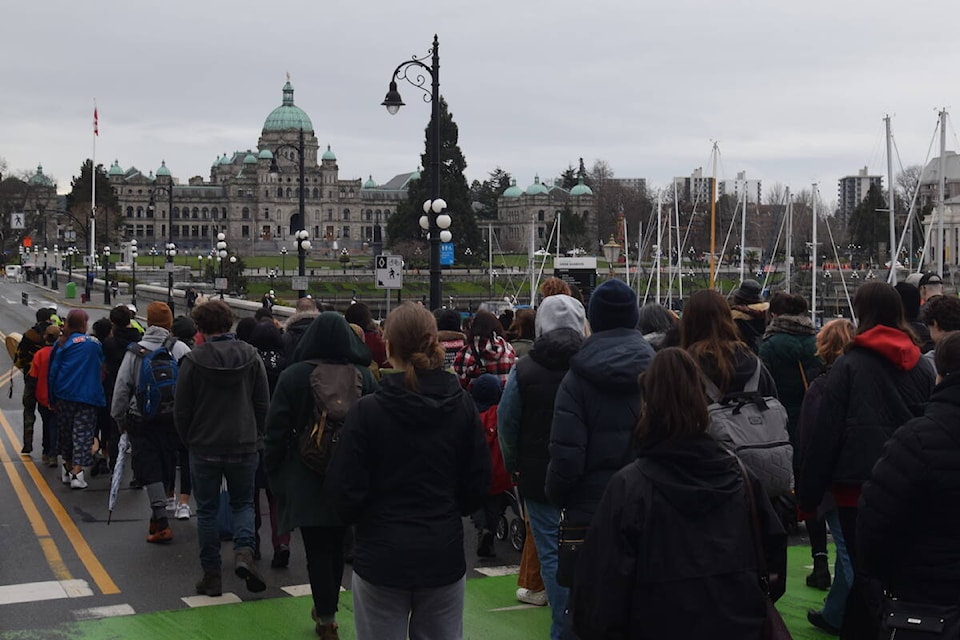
393 102
106 275
133 264
171 253
611 252
44 266
303 245
153 254
56 267
221 256
283 261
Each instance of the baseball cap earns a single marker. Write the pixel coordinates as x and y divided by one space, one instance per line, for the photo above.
930 277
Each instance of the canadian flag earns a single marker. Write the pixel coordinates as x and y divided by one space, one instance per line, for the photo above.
96 123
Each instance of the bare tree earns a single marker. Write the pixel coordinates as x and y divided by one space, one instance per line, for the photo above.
776 193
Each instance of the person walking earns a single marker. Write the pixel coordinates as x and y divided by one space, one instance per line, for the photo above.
907 524
485 351
39 371
30 343
154 437
749 313
880 383
525 417
76 393
298 490
671 551
122 335
486 392
220 412
412 460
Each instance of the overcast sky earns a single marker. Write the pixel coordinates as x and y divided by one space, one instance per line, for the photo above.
794 92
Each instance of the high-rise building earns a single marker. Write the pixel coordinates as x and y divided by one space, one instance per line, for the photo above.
695 189
851 191
736 188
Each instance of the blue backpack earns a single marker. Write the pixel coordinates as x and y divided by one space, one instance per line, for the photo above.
157 382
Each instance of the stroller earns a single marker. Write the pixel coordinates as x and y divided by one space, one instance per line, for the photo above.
513 527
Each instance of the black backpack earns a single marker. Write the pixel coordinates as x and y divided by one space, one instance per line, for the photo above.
157 381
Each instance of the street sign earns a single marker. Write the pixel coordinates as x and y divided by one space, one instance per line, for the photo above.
580 271
446 254
17 220
299 283
389 272
220 284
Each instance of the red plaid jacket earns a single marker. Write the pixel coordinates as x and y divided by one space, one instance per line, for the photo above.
473 360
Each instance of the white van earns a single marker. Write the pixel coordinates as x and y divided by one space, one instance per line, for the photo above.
14 272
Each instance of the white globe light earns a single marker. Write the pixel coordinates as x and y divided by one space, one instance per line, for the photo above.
426 206
439 205
223 253
445 236
133 243
306 245
233 258
443 221
425 223
221 236
221 245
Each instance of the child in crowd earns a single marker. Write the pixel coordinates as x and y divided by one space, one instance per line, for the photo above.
486 392
38 371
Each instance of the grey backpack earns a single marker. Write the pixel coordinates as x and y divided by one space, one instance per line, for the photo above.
754 427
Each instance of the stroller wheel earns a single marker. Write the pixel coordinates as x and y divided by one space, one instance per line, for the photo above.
501 531
518 533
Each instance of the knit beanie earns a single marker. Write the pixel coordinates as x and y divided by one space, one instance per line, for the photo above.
184 328
486 391
159 315
560 311
613 305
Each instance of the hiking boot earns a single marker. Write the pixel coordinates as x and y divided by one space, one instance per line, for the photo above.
77 481
816 619
160 531
327 631
819 578
246 568
281 557
211 584
485 544
536 598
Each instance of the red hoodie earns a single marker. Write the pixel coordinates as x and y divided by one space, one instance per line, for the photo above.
892 344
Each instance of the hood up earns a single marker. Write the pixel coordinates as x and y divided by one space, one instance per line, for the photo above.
613 359
329 337
554 349
436 401
892 344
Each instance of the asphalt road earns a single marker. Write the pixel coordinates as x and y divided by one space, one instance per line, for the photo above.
60 561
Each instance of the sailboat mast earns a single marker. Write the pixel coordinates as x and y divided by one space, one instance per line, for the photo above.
713 220
626 253
532 263
659 241
789 237
943 189
743 231
490 256
813 264
676 209
891 205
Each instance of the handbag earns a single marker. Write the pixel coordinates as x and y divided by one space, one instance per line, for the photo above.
919 621
571 540
774 628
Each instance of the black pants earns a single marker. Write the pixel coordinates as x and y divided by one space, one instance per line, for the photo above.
861 618
154 445
324 549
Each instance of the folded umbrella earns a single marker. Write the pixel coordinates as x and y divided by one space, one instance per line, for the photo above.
122 449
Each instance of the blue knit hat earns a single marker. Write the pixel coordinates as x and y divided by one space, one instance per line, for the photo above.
486 391
613 305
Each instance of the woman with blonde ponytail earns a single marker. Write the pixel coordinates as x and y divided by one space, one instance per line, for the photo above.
411 461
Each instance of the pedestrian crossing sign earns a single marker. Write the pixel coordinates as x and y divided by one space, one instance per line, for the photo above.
18 220
388 272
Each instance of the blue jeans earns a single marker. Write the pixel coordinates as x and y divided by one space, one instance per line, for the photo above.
545 524
836 601
207 474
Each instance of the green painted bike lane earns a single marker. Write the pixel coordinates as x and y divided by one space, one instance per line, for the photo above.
491 612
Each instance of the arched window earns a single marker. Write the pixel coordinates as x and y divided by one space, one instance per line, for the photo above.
266 193
288 192
316 193
346 214
214 212
194 213
129 212
204 213
139 212
176 212
279 192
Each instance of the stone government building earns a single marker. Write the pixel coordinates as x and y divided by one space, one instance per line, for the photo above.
256 208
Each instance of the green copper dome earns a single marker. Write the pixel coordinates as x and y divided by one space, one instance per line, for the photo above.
115 169
370 184
513 191
287 115
226 160
415 175
250 159
328 155
39 179
265 154
163 171
581 189
536 189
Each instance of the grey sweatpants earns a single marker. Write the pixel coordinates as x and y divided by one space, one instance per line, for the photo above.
383 613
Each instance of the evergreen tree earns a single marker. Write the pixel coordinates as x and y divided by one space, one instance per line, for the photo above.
405 225
868 225
487 193
108 207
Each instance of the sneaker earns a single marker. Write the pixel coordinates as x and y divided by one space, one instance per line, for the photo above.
183 512
537 598
327 631
816 619
161 535
171 504
77 481
246 568
211 584
281 557
64 474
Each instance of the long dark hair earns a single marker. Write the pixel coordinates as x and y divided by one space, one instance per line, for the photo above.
708 333
674 404
878 304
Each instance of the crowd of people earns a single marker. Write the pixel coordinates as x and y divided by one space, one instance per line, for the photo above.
596 418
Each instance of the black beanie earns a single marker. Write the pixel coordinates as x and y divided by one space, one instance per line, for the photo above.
613 305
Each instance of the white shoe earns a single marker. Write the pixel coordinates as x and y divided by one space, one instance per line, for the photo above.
77 481
183 511
64 472
537 598
171 504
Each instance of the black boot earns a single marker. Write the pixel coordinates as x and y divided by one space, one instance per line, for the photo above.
820 577
211 584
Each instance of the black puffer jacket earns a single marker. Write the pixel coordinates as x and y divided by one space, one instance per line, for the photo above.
878 385
595 416
908 524
670 553
408 466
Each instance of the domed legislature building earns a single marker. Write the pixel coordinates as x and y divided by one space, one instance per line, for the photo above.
253 197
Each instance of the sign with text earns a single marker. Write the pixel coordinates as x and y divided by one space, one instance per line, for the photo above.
299 283
580 272
446 254
388 273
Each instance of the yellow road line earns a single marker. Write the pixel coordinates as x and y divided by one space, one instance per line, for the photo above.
49 547
100 576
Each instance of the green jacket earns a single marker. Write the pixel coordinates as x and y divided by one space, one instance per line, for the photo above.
299 491
789 346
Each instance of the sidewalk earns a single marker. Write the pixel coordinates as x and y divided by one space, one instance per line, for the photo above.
491 613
